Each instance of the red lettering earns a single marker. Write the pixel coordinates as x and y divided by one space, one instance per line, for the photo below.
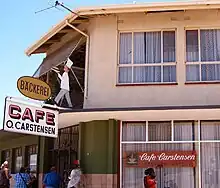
27 115
13 108
39 115
50 118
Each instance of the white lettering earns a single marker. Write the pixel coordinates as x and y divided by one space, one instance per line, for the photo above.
148 158
176 157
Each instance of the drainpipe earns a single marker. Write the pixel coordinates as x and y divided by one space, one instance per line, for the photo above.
87 57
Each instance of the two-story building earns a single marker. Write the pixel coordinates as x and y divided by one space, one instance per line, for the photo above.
145 80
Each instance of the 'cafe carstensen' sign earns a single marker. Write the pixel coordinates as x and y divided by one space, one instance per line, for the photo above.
34 88
160 158
29 119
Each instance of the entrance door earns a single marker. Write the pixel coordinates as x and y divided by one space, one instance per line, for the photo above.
65 151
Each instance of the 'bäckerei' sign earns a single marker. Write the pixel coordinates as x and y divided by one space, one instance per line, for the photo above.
160 159
34 88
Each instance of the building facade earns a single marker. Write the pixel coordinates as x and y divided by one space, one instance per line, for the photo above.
145 80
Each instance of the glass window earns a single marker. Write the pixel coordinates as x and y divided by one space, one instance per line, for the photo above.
18 159
166 177
159 131
6 155
210 130
210 162
132 131
32 157
203 55
152 59
184 131
125 48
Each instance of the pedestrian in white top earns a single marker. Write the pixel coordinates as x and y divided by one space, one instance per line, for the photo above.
64 87
75 176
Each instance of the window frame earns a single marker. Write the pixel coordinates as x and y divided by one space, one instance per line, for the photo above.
132 64
31 150
197 140
6 155
200 63
172 140
17 152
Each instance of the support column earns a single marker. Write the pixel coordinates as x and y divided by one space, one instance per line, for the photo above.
44 160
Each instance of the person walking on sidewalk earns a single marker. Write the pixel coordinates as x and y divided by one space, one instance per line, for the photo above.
4 176
75 176
52 179
22 179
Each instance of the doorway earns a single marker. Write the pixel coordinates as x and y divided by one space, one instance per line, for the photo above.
65 151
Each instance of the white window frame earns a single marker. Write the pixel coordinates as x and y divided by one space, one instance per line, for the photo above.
156 142
200 63
196 140
132 65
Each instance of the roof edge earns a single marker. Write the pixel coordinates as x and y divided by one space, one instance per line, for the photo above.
124 109
125 8
49 34
151 4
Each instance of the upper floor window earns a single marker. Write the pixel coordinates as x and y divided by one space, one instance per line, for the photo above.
203 55
147 57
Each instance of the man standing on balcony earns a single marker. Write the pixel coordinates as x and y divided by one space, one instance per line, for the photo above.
64 85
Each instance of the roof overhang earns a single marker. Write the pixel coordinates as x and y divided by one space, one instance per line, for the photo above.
42 45
142 114
55 34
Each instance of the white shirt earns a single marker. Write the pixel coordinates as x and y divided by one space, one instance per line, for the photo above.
64 81
74 178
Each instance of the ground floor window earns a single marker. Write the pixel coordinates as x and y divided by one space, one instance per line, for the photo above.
183 154
18 159
32 157
6 155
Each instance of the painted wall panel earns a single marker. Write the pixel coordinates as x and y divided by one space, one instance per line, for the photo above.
99 147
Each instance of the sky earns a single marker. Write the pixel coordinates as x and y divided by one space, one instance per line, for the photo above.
20 27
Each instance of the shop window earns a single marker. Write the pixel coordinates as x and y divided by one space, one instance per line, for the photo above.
198 137
210 130
184 131
134 131
6 155
167 177
32 157
210 162
210 153
17 159
159 131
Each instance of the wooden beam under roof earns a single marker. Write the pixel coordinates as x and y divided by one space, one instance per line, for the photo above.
80 21
43 48
66 30
51 41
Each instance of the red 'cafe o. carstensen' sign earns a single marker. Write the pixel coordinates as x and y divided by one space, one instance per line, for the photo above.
160 159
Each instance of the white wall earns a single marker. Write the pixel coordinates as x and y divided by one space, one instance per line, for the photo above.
102 90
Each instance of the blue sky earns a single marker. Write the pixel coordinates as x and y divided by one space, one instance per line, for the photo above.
20 27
